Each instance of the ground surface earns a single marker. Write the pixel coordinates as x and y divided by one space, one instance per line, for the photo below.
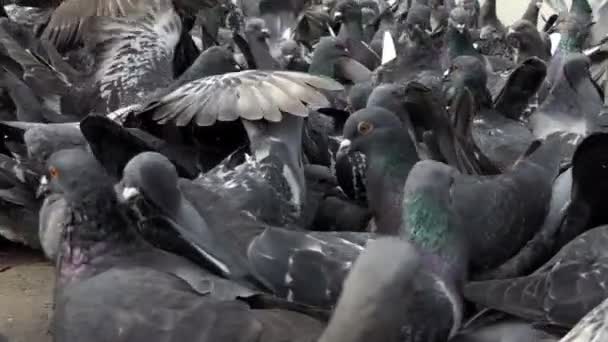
26 284
26 280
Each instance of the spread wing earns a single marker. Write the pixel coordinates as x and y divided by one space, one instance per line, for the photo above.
251 95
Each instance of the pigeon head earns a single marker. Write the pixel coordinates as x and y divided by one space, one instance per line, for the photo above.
256 28
390 96
489 33
469 72
520 34
458 19
290 47
369 11
215 60
74 173
363 126
329 49
44 140
347 10
419 15
576 67
153 176
331 58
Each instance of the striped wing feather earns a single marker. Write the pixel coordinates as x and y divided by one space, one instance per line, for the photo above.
251 95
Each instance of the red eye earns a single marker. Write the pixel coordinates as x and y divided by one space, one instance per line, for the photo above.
365 127
53 172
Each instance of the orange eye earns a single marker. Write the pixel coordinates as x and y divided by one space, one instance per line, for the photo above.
53 172
365 127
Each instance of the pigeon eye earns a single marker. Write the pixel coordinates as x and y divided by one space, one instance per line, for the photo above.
53 172
365 127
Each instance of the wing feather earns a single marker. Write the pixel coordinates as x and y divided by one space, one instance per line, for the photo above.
251 95
134 55
65 26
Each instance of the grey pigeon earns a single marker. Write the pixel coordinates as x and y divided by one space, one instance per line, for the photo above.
105 265
377 316
561 292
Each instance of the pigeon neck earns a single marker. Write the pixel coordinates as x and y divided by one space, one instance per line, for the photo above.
351 29
321 67
388 165
459 44
427 224
570 43
96 229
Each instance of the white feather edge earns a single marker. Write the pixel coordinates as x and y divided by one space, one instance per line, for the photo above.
388 48
555 38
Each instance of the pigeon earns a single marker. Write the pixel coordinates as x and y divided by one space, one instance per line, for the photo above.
114 146
348 13
573 103
66 23
574 31
560 293
244 247
390 153
377 316
528 42
181 212
102 253
18 221
333 59
518 93
500 139
540 248
418 60
590 328
586 208
305 267
257 34
109 88
31 144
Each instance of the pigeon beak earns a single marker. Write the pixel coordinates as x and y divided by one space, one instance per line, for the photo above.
460 28
129 193
43 188
326 8
265 33
338 16
343 149
331 31
289 58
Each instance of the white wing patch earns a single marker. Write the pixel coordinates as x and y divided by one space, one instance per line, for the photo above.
134 53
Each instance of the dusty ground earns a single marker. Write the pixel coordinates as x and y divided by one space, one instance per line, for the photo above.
26 283
26 280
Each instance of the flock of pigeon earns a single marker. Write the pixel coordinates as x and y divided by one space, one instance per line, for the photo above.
292 170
